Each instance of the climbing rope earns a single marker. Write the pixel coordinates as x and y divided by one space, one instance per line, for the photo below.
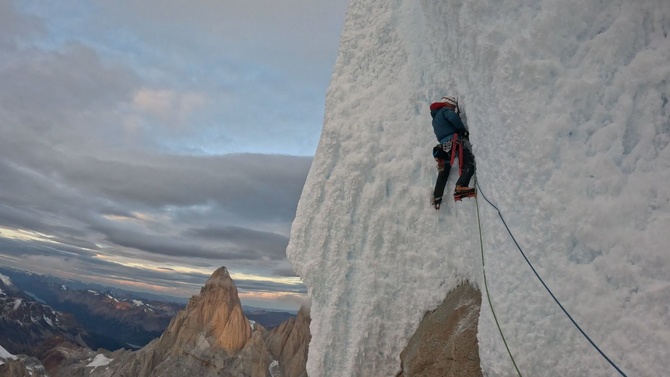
486 286
479 189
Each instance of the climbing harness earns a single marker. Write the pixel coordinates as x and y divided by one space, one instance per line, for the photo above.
539 278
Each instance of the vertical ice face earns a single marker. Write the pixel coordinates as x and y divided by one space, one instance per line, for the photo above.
568 110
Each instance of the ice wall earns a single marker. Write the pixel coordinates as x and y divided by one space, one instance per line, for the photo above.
567 104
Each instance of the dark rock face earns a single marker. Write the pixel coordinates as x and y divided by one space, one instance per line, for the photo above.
445 343
22 366
25 325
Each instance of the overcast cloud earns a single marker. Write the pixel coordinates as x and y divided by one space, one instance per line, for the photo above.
147 144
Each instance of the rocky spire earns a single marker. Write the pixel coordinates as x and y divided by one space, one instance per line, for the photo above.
211 334
212 319
221 278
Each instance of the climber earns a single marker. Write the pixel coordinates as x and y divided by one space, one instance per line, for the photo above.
453 136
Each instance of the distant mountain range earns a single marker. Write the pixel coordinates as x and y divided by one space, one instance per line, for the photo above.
211 336
110 318
27 280
25 324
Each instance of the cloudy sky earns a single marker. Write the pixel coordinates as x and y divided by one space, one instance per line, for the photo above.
145 144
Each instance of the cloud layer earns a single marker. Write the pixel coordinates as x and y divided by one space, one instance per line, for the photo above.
150 143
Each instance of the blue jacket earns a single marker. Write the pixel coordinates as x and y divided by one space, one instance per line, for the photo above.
446 123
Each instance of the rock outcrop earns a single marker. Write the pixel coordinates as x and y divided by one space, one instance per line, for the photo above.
212 319
289 344
445 343
23 366
19 365
59 353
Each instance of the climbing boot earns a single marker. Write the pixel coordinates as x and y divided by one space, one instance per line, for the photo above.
464 192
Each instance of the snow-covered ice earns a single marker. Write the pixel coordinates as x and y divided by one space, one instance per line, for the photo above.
567 104
48 320
5 280
100 360
4 354
274 369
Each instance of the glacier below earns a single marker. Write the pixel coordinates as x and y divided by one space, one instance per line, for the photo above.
567 105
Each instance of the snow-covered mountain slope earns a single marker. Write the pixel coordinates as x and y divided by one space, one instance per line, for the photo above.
567 104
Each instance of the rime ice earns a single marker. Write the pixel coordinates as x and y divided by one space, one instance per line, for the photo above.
567 105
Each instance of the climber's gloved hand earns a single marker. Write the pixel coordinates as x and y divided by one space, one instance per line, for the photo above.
465 135
436 202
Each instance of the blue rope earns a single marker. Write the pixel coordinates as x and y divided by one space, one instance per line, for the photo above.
546 287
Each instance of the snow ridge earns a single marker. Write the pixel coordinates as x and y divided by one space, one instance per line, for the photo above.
567 104
4 354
